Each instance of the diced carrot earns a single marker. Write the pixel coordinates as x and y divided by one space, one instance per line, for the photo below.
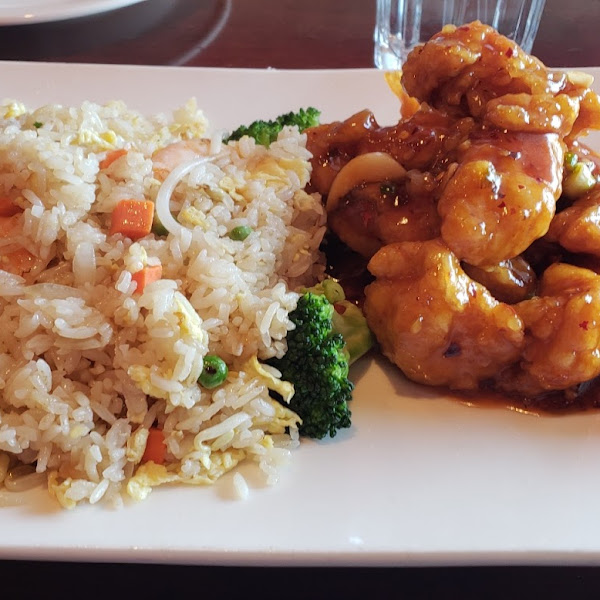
146 276
7 207
132 218
155 446
17 262
110 158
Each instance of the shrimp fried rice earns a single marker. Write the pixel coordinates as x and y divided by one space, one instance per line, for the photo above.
91 360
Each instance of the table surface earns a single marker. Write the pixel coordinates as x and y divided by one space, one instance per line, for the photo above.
311 34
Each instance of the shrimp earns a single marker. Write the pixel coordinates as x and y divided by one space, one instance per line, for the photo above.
166 159
562 333
434 322
502 196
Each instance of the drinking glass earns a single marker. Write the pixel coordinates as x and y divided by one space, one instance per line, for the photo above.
403 24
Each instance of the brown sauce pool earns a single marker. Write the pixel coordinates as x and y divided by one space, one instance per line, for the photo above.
584 398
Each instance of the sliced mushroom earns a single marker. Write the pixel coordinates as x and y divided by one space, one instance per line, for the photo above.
364 168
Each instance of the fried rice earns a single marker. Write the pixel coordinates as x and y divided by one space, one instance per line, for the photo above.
89 364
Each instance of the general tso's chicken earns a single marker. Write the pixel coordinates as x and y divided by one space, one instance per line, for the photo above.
426 141
562 333
375 214
382 207
486 107
434 322
478 281
472 70
502 196
577 228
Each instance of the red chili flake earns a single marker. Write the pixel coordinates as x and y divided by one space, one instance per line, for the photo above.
340 309
584 325
509 52
502 205
463 28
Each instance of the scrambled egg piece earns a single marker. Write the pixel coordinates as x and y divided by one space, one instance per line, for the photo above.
136 445
192 216
151 475
147 476
59 490
273 171
105 140
14 109
231 186
189 320
284 388
284 418
141 375
188 121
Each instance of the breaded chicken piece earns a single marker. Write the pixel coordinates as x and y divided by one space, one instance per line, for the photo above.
434 322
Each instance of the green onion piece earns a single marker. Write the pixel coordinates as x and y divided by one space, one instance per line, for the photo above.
158 229
570 160
37 124
579 181
240 233
214 372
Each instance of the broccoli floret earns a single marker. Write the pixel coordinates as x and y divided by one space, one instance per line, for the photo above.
316 362
265 132
348 320
350 323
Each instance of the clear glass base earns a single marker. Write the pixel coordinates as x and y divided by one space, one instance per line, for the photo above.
389 54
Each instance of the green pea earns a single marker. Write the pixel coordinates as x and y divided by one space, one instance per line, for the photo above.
240 233
214 372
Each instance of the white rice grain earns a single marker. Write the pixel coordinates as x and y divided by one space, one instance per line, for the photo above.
240 486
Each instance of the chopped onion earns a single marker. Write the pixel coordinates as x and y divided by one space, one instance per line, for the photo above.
52 291
163 198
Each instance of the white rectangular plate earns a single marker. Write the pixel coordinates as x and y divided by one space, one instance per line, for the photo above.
419 479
